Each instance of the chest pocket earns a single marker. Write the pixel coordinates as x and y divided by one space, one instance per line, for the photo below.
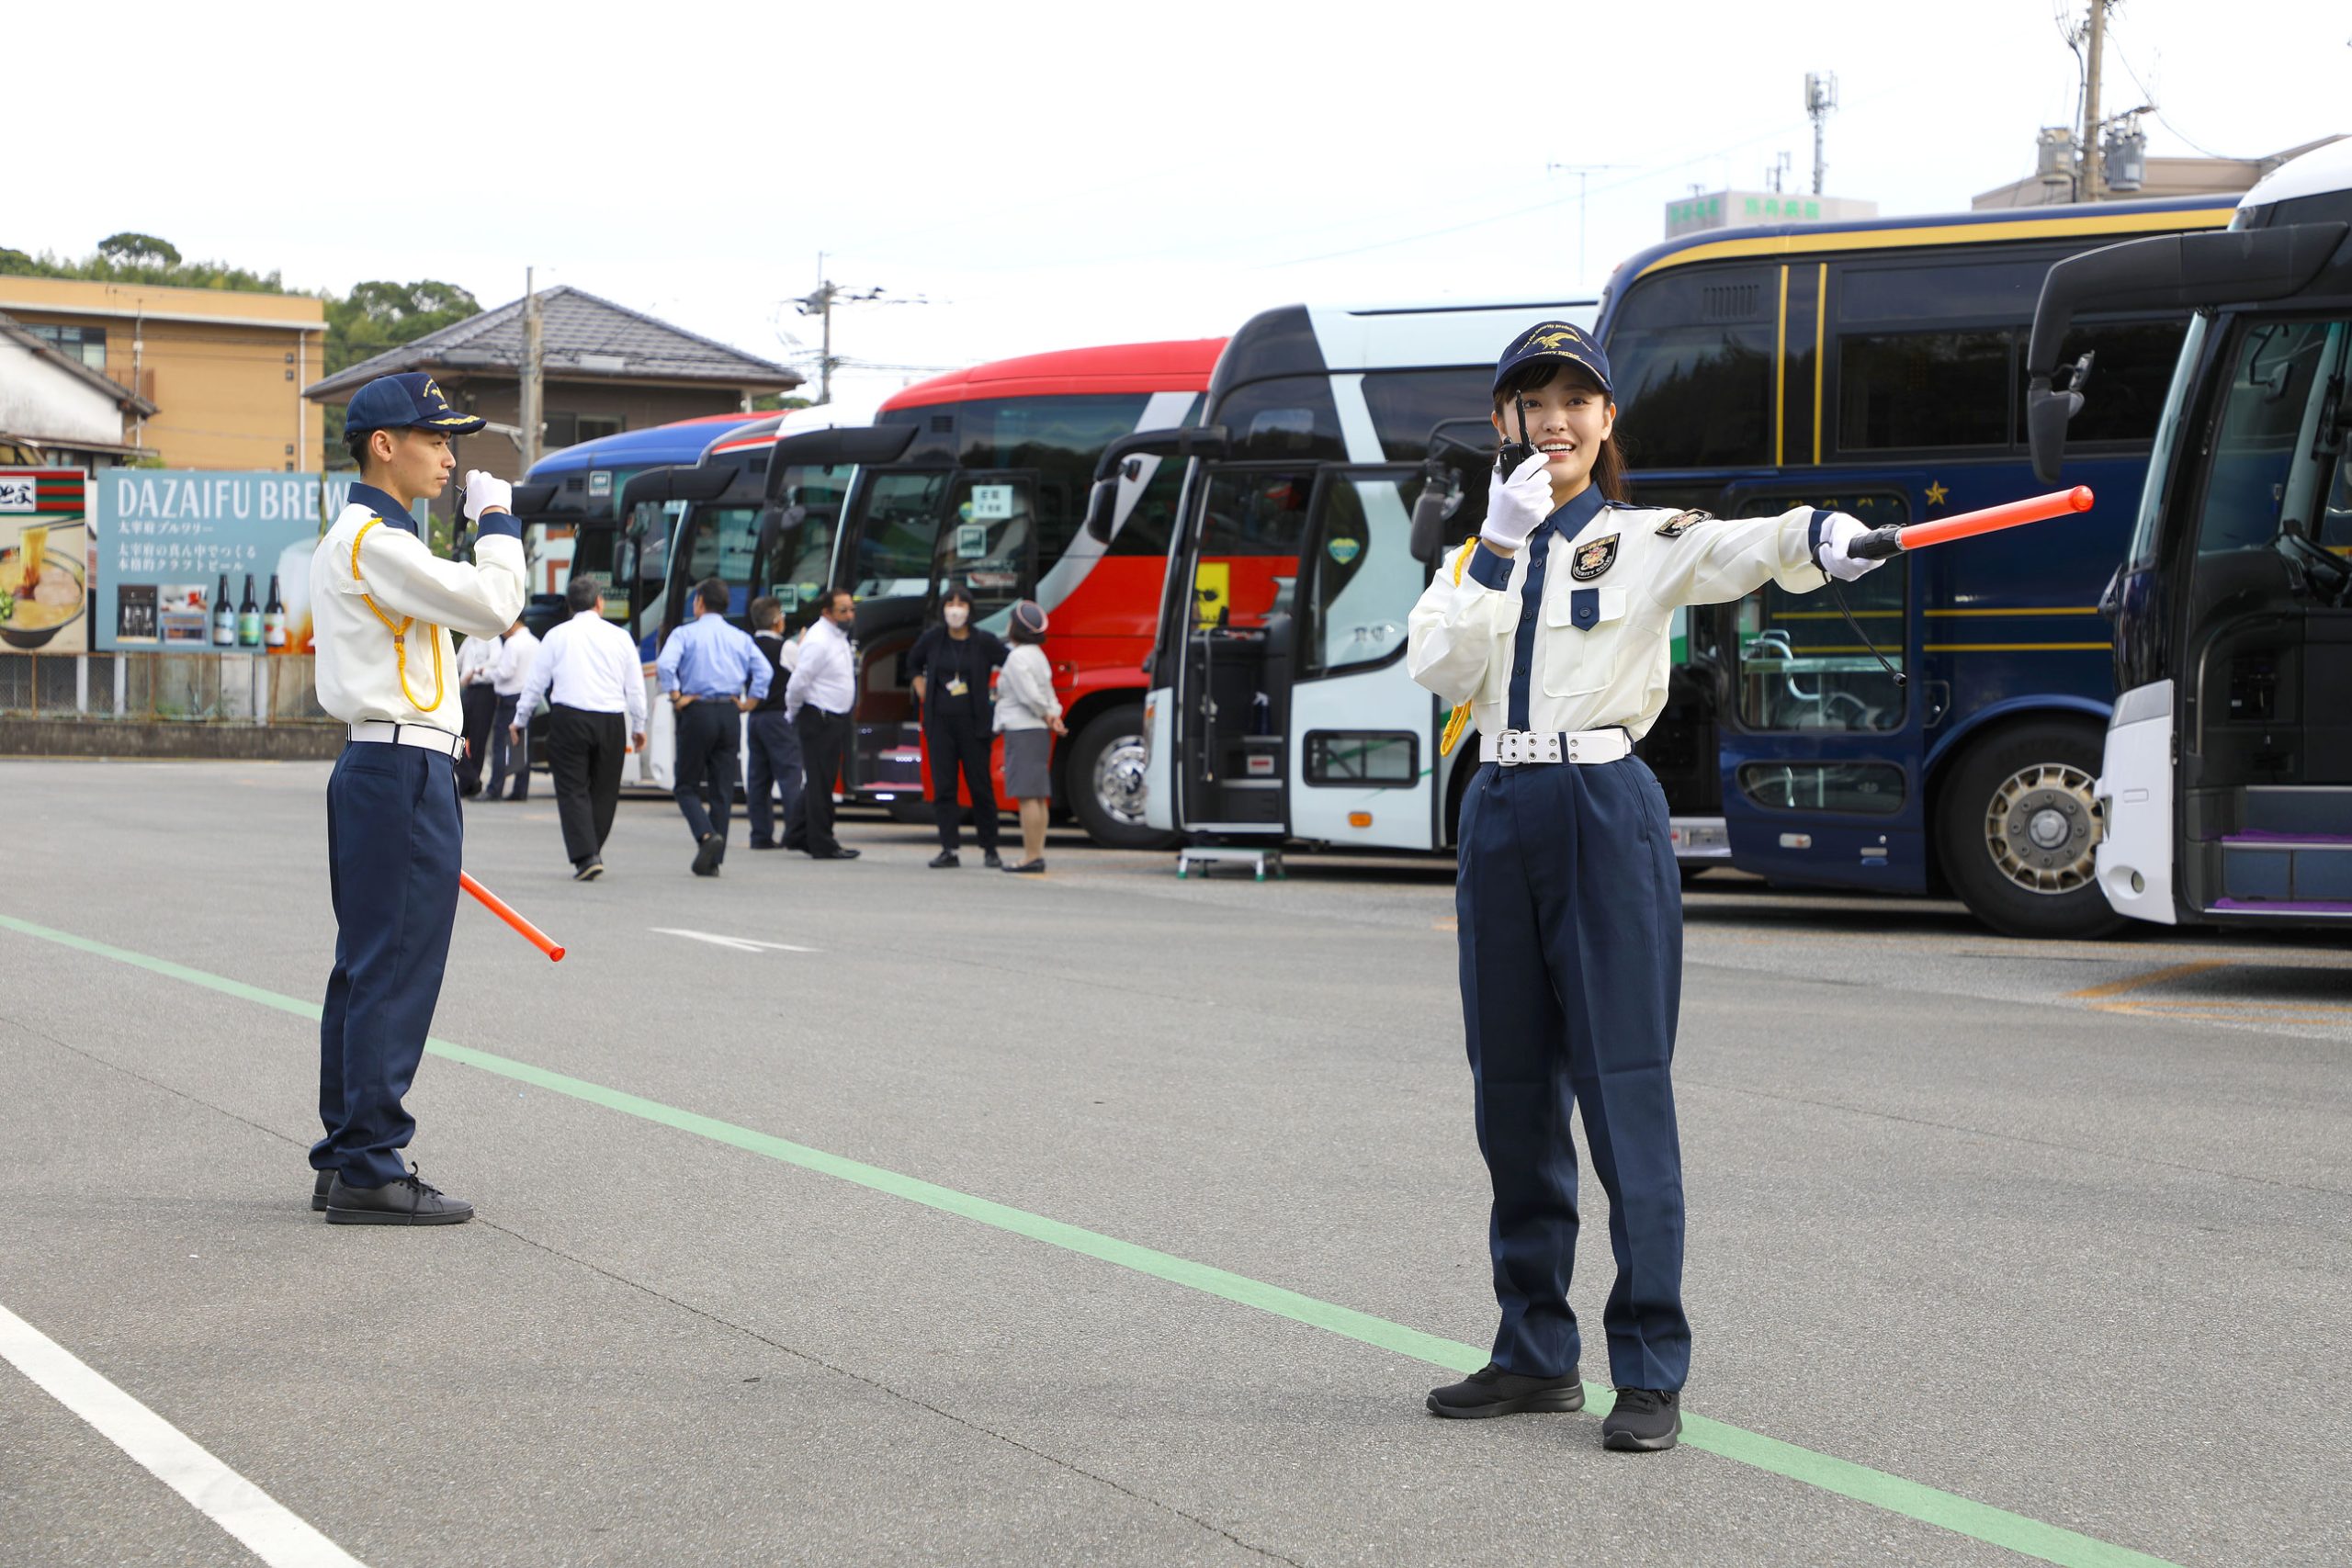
1582 630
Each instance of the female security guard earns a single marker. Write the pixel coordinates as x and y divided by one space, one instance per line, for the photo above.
1554 627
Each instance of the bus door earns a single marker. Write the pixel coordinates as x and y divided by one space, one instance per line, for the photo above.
1820 748
886 554
2263 661
1230 740
1361 732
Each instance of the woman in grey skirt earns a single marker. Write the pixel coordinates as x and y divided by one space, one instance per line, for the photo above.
1029 715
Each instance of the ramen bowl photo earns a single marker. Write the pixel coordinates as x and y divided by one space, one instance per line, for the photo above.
36 605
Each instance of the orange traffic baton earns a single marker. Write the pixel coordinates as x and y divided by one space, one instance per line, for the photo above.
1881 543
500 908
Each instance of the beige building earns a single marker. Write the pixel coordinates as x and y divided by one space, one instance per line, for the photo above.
222 371
2053 183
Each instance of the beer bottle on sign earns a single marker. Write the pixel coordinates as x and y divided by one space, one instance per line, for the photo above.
273 617
224 616
249 618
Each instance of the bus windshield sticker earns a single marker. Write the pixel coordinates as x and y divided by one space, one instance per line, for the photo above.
1344 550
991 504
971 541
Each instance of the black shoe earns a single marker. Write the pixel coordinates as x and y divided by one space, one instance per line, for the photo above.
836 853
993 861
589 873
768 844
799 846
1028 867
319 1192
1645 1420
518 799
708 853
411 1200
945 860
1490 1391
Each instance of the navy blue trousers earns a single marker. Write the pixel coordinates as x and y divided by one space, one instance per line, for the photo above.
775 764
393 845
709 730
1571 930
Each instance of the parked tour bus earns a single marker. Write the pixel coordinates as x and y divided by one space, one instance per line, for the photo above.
979 479
1875 368
1279 705
2227 778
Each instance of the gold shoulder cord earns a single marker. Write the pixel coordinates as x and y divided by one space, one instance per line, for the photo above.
1459 720
400 632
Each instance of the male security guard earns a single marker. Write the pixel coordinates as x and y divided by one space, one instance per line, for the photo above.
1554 627
382 608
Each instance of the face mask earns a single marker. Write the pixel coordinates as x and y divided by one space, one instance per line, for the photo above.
957 614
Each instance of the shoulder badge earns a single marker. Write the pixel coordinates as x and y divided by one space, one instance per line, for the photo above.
1592 559
1675 527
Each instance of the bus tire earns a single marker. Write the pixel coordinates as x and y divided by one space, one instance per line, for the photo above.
2015 828
1104 781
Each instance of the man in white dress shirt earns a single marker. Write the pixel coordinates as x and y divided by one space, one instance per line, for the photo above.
478 699
819 700
381 607
510 747
589 674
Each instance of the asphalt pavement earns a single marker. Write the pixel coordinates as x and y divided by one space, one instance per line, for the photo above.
854 1212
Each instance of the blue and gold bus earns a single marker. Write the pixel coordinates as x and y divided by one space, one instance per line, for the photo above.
1877 368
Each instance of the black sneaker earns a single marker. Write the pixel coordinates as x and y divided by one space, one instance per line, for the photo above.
993 861
1646 1420
708 853
411 1200
319 1192
1490 1391
589 873
947 859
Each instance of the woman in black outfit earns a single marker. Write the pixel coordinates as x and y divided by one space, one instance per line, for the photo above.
951 664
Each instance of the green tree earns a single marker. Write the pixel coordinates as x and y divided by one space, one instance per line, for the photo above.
378 315
127 249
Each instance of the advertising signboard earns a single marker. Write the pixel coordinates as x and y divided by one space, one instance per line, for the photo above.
195 560
48 549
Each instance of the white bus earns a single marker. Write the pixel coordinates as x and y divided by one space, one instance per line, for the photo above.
2226 786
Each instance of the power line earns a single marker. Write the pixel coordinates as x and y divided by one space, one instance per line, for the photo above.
2155 108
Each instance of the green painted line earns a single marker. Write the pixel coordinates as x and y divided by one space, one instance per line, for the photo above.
1912 1499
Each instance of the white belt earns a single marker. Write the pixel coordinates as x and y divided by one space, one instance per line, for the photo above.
1513 747
423 736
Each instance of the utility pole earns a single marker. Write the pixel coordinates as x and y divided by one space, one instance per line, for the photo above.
2092 180
1820 99
1582 172
532 414
821 305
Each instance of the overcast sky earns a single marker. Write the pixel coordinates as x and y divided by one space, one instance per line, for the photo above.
1051 175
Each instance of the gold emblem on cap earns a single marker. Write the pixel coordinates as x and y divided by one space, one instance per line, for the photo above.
432 390
1559 339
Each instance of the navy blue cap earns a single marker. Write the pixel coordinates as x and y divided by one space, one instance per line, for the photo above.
1555 339
406 402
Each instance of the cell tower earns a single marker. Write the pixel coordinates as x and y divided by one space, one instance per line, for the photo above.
1820 99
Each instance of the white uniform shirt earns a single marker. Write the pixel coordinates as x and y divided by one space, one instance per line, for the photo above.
824 673
361 675
1612 671
514 662
586 664
478 660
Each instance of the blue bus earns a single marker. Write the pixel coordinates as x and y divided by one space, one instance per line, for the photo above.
1876 367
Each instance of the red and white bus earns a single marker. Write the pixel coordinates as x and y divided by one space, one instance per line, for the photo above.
981 480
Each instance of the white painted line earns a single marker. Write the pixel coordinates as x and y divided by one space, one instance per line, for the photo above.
267 1527
740 943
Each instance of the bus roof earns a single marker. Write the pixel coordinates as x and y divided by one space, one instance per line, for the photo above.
681 440
1177 366
2119 219
2317 173
792 422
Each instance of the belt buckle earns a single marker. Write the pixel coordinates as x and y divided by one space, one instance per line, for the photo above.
1513 747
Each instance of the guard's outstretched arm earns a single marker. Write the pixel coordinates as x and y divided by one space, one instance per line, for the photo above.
400 571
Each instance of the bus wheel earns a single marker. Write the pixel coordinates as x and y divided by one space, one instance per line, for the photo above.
2016 830
1105 781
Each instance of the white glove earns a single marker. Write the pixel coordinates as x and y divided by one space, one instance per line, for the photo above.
485 490
1839 533
1516 506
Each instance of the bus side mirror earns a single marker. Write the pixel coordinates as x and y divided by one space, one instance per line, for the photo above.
1439 499
2046 413
1102 507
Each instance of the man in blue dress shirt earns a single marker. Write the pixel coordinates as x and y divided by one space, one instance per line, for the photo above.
713 673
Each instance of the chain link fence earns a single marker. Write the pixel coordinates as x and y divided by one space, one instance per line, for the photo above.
202 688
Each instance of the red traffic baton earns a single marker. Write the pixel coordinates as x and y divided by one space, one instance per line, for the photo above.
504 911
1881 543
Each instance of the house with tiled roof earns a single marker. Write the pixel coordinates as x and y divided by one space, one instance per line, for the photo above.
607 368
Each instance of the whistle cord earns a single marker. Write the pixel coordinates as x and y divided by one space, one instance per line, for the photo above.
1838 593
